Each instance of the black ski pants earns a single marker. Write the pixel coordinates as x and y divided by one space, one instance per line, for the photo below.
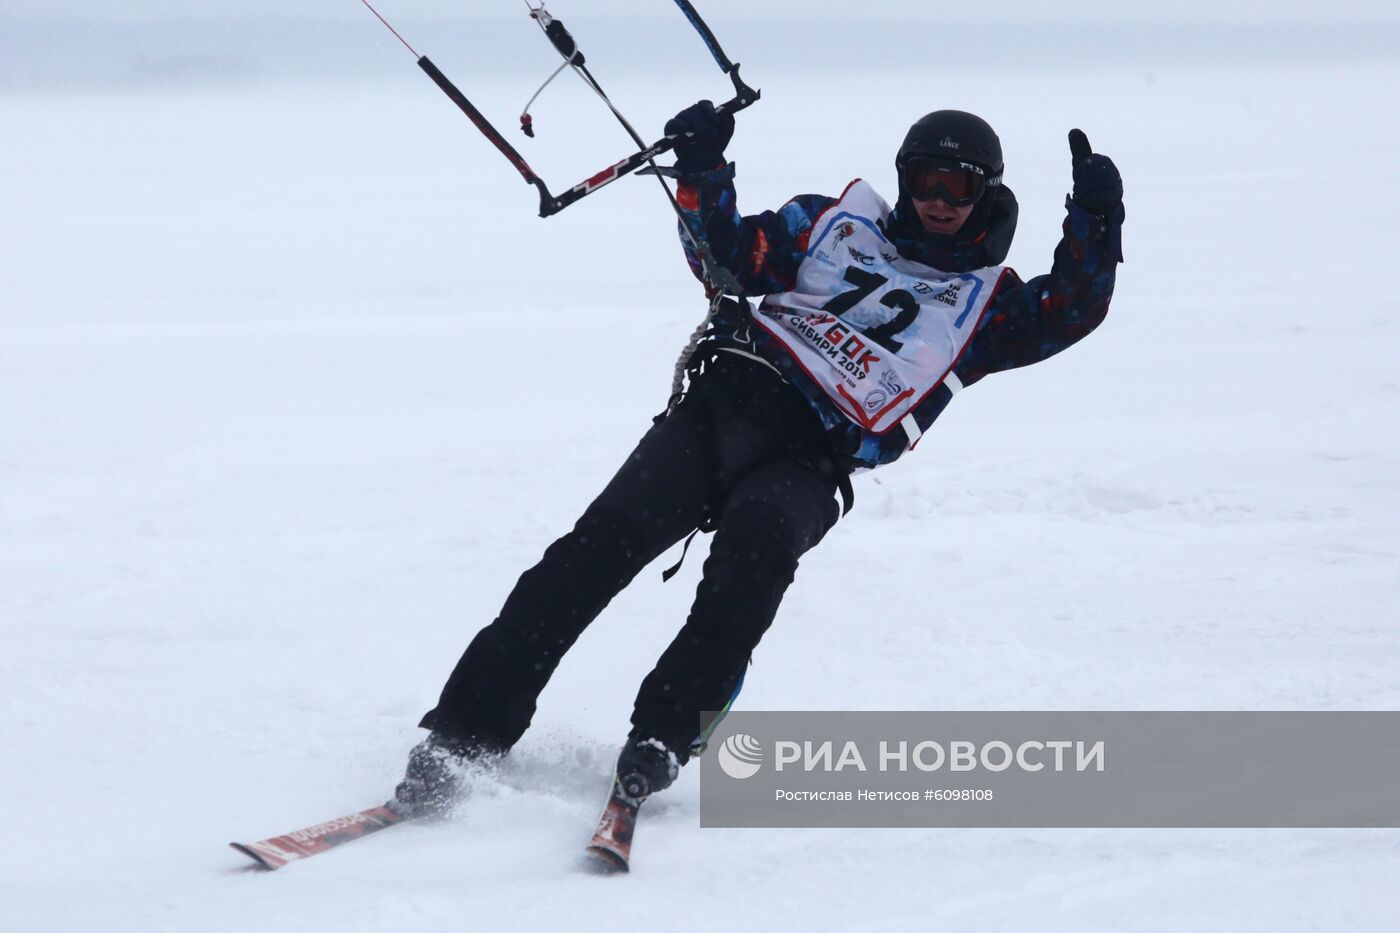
744 453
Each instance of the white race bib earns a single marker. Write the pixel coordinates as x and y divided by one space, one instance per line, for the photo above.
877 332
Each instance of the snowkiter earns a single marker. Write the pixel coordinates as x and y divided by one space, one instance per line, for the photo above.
870 320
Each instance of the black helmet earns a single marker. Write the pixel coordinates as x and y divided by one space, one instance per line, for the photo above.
985 238
954 134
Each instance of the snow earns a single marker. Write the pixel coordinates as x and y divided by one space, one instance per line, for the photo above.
293 384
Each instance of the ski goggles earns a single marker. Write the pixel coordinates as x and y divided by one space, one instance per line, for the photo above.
957 183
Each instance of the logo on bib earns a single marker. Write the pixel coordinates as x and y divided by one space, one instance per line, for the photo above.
950 295
829 335
860 257
843 231
874 399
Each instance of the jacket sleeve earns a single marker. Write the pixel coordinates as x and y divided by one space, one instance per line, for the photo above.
1032 321
762 251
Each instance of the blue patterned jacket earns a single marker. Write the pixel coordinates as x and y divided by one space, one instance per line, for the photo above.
1026 323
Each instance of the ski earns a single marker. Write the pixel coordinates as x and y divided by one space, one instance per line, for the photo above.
277 851
610 849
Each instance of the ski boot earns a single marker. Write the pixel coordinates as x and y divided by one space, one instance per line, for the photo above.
436 776
643 768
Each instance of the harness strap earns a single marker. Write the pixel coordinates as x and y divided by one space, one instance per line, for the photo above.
675 568
751 356
848 495
911 429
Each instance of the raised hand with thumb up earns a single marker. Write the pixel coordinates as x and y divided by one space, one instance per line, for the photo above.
1098 188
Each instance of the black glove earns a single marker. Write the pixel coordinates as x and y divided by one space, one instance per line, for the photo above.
1098 188
711 131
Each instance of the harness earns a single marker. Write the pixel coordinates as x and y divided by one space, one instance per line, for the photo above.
707 347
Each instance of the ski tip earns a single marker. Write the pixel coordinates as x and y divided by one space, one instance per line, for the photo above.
262 862
602 861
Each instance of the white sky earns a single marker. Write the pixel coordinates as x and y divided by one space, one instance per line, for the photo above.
1191 11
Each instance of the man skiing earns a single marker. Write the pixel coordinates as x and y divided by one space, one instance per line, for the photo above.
871 319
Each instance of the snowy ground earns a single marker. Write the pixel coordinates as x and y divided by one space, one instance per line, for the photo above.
260 480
